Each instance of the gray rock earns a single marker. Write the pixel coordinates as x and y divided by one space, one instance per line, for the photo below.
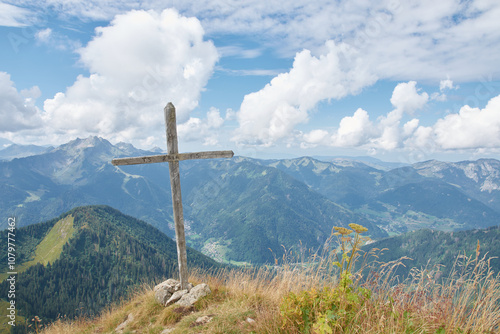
202 320
121 327
166 285
169 292
161 296
176 296
201 290
164 290
167 330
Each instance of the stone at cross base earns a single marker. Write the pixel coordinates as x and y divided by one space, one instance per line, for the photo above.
173 157
170 292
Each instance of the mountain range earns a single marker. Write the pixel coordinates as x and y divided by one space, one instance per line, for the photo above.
252 210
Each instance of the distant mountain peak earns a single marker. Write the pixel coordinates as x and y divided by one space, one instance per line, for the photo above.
13 151
4 142
343 162
157 149
431 167
90 141
125 146
80 144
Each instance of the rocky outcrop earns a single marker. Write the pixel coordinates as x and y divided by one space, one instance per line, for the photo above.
188 299
165 290
169 292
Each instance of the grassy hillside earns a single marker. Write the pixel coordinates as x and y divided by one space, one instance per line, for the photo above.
88 258
306 298
50 247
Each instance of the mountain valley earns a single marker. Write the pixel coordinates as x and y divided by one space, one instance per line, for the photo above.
252 210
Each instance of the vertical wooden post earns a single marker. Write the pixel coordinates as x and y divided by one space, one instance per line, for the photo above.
173 158
175 184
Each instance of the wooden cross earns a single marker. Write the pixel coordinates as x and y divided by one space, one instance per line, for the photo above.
173 157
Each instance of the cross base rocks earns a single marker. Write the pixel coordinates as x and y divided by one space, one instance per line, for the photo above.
169 292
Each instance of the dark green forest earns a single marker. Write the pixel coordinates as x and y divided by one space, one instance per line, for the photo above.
27 238
428 248
109 254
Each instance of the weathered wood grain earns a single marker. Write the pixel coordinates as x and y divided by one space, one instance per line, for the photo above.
172 157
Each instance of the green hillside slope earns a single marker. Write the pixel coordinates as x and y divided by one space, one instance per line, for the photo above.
104 255
428 248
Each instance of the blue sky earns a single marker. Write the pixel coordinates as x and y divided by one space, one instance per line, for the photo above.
398 80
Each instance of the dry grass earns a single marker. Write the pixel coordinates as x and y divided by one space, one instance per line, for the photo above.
466 302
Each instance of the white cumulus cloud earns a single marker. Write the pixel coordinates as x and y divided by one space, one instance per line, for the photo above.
56 40
355 130
202 129
470 128
402 40
138 63
43 35
272 113
314 138
406 97
446 84
386 132
17 109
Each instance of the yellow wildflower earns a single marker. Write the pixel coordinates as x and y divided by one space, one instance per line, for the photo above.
343 230
358 228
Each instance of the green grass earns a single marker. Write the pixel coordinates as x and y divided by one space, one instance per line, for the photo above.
276 302
50 248
322 298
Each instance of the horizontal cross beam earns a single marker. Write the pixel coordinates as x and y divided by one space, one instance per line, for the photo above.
172 157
